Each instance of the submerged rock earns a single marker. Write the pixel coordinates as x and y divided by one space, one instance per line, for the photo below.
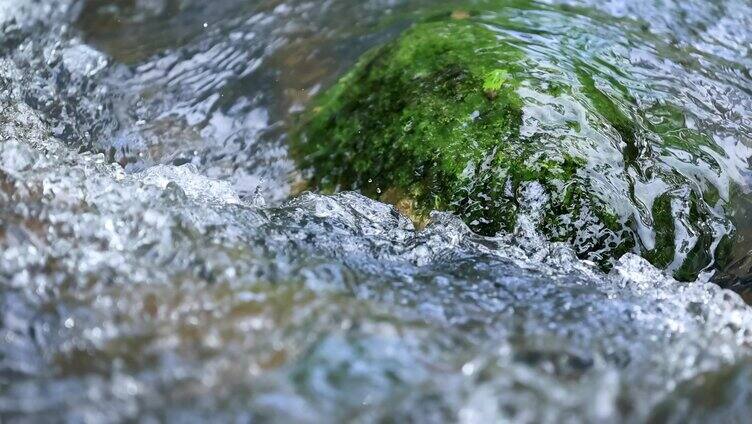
457 115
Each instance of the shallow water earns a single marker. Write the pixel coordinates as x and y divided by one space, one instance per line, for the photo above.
153 266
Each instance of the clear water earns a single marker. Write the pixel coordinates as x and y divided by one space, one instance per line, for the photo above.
153 266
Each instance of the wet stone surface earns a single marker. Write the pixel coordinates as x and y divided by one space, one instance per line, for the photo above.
457 114
153 266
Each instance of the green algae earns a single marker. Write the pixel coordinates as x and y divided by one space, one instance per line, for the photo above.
436 120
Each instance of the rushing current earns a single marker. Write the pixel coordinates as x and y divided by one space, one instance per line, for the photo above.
157 263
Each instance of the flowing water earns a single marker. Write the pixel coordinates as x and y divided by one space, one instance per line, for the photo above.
155 267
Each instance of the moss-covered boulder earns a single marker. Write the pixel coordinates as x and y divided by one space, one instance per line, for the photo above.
455 115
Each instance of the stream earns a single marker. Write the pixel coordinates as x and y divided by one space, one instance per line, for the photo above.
158 262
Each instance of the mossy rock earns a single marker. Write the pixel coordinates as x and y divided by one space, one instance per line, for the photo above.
455 116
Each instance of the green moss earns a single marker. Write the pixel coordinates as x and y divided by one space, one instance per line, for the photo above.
494 80
428 115
670 123
609 110
663 223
